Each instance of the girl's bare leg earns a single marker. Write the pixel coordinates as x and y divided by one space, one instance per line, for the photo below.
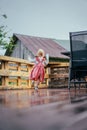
36 84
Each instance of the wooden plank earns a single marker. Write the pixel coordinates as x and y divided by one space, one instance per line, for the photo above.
4 72
19 81
43 86
24 69
19 67
29 81
3 80
13 67
60 65
58 76
13 73
46 75
6 81
2 65
13 80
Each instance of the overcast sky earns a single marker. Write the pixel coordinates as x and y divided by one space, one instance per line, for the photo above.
45 18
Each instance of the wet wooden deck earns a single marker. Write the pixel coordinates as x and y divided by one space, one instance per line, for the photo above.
45 109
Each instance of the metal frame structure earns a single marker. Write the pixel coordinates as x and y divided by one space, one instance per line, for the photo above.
78 59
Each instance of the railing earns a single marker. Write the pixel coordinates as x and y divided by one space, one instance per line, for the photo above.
59 73
14 73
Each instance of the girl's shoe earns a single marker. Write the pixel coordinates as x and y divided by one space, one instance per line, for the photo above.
36 88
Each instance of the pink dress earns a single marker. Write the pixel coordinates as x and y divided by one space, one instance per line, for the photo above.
38 72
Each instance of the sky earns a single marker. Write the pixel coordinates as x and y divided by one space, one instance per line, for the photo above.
44 18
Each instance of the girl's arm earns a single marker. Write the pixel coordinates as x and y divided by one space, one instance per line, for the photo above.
47 58
46 61
33 60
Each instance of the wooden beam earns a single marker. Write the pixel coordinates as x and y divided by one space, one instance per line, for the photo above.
12 59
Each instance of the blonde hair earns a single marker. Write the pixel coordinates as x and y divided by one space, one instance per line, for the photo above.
40 52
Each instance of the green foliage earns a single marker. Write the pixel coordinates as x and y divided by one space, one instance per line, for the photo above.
3 36
10 46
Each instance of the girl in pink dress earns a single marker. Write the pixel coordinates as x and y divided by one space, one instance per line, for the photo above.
37 74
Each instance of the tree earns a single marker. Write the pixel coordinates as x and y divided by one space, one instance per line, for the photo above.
4 45
3 34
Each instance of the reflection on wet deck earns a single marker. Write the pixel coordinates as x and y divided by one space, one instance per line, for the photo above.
47 109
29 98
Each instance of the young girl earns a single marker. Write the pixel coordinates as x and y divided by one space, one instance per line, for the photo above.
37 74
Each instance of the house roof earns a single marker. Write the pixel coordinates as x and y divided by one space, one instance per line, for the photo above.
49 45
65 43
